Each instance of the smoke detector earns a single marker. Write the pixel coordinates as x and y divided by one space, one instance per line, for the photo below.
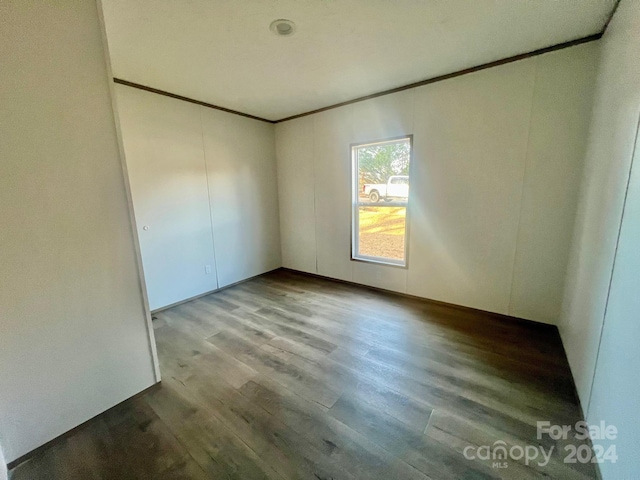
282 27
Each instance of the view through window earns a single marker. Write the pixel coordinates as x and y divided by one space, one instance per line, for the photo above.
381 193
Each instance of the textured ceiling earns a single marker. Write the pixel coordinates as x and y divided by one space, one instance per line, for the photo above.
222 51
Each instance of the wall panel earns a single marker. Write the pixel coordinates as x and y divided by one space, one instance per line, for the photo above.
294 144
241 168
599 326
616 383
204 183
162 139
470 145
74 339
555 155
609 151
332 170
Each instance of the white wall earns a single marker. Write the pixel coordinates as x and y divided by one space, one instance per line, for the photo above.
471 148
204 183
296 192
609 153
74 339
616 385
563 100
497 162
162 138
600 326
241 169
3 467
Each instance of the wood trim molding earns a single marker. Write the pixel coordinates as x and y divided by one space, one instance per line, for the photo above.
610 17
67 434
187 99
440 78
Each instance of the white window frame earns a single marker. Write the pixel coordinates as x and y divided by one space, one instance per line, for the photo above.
355 204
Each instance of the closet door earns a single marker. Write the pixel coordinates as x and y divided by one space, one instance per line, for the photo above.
162 140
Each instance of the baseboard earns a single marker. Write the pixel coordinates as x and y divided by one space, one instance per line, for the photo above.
59 438
200 295
533 323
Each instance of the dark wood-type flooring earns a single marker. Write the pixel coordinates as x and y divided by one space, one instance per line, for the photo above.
289 376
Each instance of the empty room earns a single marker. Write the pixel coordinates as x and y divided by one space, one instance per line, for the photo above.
319 239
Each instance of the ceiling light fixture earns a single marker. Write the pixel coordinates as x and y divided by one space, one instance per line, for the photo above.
282 27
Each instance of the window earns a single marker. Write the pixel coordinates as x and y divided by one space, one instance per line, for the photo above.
380 198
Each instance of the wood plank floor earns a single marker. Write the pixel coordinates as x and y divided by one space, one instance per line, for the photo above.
289 376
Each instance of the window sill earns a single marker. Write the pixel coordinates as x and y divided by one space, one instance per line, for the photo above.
379 261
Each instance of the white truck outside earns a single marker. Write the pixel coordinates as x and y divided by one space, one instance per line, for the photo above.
396 188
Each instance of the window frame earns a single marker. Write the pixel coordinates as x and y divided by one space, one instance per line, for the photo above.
355 205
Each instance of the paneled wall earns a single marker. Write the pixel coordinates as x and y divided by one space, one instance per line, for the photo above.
608 156
243 189
162 138
497 163
74 337
4 474
296 179
204 192
600 328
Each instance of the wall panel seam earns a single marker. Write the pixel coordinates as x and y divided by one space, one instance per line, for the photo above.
522 189
206 173
315 186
